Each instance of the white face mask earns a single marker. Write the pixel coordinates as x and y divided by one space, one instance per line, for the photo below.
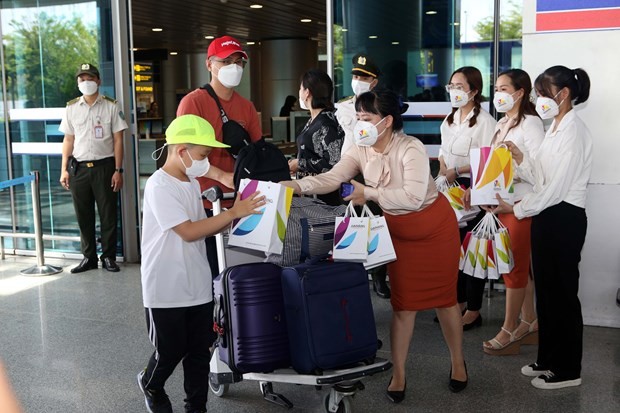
197 168
458 98
503 101
88 87
365 133
302 103
359 86
547 108
230 75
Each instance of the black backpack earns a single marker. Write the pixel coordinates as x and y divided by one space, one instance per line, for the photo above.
263 161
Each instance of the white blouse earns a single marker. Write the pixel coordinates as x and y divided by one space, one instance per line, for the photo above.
528 137
560 170
458 138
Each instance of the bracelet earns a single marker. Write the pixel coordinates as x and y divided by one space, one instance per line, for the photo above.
456 171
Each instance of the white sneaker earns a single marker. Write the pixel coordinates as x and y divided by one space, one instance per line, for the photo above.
549 381
533 370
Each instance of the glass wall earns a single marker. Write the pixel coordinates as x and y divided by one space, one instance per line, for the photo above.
44 41
418 44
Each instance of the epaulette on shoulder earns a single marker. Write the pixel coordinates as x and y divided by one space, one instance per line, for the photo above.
346 99
109 99
72 101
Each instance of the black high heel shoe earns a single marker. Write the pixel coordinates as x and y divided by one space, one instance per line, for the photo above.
476 323
396 396
456 386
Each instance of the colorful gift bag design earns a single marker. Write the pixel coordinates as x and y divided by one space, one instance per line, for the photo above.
455 195
471 254
463 255
505 259
351 237
380 247
492 273
491 174
266 231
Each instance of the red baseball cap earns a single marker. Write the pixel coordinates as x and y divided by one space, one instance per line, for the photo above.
224 46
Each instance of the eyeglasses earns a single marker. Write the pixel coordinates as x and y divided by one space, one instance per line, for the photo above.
231 61
452 86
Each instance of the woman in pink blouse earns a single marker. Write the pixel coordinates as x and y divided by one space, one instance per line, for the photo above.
422 225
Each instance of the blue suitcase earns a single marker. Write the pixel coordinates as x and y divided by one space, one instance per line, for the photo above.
249 318
329 315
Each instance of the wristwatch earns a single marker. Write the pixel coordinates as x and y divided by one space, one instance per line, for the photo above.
119 170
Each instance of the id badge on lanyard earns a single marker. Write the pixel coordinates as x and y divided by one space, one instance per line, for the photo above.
98 129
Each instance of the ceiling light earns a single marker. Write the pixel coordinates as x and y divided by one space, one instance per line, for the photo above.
373 37
395 42
305 20
173 53
457 23
344 30
431 12
250 43
256 6
157 29
209 37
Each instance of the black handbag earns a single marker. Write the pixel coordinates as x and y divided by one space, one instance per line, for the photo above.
233 134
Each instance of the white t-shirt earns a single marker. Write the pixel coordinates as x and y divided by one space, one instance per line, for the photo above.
175 273
457 139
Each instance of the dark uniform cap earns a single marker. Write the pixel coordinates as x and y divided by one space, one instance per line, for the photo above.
364 66
87 69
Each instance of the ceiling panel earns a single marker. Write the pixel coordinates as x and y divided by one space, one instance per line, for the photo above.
186 23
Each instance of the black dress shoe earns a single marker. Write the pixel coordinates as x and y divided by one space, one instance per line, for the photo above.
456 386
110 265
476 323
381 288
85 265
396 396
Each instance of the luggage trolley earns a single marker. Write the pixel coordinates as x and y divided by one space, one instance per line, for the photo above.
343 383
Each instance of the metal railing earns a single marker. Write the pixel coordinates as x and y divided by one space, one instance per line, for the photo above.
40 268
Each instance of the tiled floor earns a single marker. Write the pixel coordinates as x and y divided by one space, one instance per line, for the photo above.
74 343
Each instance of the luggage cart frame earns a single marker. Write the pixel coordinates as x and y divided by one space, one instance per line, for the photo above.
343 383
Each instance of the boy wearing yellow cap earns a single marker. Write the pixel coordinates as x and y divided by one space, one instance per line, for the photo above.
176 276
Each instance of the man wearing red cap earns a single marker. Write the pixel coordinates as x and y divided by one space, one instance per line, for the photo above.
225 60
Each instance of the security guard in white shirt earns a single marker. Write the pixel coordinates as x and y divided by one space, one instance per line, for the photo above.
365 77
92 158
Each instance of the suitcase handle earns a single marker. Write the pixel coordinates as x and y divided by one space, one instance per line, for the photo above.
219 320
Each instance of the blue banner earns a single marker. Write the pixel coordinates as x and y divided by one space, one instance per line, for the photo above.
564 5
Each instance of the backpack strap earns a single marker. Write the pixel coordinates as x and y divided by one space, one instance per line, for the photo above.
212 93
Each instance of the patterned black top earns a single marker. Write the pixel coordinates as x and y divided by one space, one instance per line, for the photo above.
319 144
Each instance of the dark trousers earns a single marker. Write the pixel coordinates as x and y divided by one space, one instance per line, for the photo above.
92 186
470 289
181 334
558 234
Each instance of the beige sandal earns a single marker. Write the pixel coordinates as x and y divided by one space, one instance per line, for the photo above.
495 348
531 335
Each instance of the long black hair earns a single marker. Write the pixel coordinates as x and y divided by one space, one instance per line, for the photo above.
521 80
474 80
321 88
576 80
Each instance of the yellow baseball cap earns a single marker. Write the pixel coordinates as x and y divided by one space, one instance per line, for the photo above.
192 129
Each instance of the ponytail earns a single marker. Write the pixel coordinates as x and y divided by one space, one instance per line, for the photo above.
576 80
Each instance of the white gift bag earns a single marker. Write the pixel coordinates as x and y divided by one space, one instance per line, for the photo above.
351 237
471 254
380 247
266 231
455 194
492 273
491 174
505 259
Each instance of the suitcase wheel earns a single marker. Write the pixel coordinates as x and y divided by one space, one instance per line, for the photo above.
343 407
219 390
